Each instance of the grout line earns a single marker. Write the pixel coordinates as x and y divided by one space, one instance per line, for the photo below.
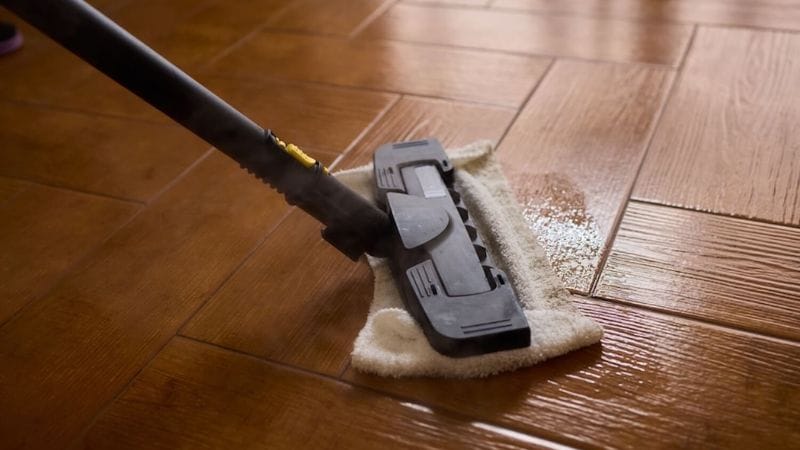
85 112
178 329
246 37
608 18
83 259
344 369
74 189
263 359
685 317
644 20
451 413
277 28
72 269
229 49
377 119
75 442
372 18
323 84
180 176
525 102
687 49
236 269
609 242
424 97
697 210
533 55
457 48
497 51
544 13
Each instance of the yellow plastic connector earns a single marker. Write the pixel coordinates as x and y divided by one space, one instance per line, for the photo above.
301 156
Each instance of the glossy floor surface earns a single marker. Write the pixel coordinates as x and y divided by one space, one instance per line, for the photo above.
153 295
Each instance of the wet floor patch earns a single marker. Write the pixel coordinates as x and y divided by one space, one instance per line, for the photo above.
555 210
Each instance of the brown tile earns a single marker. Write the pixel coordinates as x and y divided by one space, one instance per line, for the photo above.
768 14
318 117
297 301
656 381
454 124
135 160
44 72
728 140
189 34
111 156
11 188
572 155
720 269
98 94
305 112
73 350
197 40
451 2
43 233
389 66
40 71
557 35
147 19
339 17
194 395
189 41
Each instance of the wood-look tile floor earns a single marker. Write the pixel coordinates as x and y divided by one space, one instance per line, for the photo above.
153 295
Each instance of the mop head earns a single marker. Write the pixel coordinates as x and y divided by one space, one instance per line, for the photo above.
392 344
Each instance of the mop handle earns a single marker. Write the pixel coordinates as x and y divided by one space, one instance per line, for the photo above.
353 225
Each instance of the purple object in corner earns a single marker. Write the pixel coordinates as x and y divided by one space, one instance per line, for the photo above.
10 38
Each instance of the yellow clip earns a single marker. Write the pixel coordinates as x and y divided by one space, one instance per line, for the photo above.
300 156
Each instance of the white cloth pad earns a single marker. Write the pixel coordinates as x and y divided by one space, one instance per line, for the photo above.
392 344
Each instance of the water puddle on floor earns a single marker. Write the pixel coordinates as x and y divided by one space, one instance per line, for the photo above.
555 210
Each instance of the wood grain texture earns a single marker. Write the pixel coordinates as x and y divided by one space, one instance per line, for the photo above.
135 160
388 66
11 188
40 71
36 250
572 36
572 155
318 117
454 124
297 300
767 14
189 35
198 396
220 258
151 18
198 39
728 140
450 2
74 349
724 270
90 153
338 17
655 382
303 112
44 72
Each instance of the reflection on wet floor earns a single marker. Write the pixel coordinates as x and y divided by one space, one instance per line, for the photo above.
555 211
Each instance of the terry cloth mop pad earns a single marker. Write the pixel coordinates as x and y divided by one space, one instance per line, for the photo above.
392 344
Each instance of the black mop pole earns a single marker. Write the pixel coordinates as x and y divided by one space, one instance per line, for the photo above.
354 226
